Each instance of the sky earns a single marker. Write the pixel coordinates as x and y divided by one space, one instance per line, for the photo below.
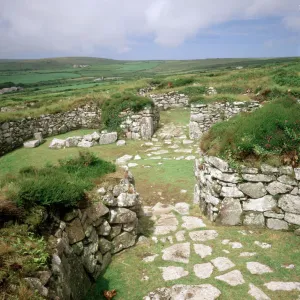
149 29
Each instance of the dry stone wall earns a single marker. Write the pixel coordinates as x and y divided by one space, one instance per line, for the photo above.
14 133
86 239
169 100
140 125
265 197
203 116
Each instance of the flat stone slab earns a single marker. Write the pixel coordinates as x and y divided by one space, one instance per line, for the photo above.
161 209
258 268
150 258
282 286
183 150
262 245
166 224
180 236
233 278
31 144
184 292
123 159
194 292
177 253
235 245
173 273
191 223
247 254
203 271
203 235
257 293
202 250
160 152
223 263
182 208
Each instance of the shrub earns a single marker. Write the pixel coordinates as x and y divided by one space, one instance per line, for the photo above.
63 185
118 102
272 130
193 91
287 78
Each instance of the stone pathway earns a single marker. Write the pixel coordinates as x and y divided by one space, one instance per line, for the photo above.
219 268
184 236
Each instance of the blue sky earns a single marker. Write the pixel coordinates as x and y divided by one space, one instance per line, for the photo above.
149 29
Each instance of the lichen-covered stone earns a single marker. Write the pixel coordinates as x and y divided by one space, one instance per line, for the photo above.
290 203
230 212
276 224
75 231
123 241
253 190
261 204
254 219
122 216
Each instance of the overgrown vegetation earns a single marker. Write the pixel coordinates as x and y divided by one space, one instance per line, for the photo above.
22 254
61 186
118 102
272 131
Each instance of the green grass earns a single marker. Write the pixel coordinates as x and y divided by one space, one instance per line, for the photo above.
34 77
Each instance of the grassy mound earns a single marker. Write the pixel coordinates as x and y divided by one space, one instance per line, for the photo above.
57 186
118 102
272 131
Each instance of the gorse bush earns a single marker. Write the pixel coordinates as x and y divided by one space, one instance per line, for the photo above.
272 130
287 78
118 102
63 185
193 91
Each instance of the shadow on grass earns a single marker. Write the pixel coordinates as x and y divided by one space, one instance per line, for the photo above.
146 226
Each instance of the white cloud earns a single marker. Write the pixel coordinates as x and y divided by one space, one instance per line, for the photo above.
82 27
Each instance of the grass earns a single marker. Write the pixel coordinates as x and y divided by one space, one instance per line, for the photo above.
22 254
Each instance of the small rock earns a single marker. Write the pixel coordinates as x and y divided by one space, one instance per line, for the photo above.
137 157
150 258
203 271
233 278
257 293
258 268
223 263
121 143
262 245
202 250
247 254
282 286
191 223
31 144
177 253
173 273
180 236
203 235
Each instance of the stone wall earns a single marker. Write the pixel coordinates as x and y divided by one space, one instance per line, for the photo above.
140 125
203 116
169 100
85 240
265 197
14 133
